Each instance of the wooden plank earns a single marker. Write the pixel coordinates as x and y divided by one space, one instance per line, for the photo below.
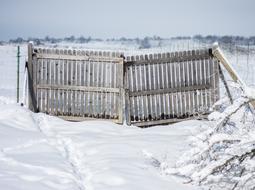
95 84
161 84
112 84
133 82
87 84
79 102
56 78
165 121
44 73
216 83
80 119
91 84
120 96
65 82
69 82
38 73
149 87
32 104
156 107
73 83
99 84
186 78
52 83
61 81
207 81
212 80
175 104
182 84
199 81
178 85
82 83
143 87
78 57
205 106
171 59
129 89
191 79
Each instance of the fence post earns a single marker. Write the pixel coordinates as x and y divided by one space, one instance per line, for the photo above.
30 70
121 90
18 61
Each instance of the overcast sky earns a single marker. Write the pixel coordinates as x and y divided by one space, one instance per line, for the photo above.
128 18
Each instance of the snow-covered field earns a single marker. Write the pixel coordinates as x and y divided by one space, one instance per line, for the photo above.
43 152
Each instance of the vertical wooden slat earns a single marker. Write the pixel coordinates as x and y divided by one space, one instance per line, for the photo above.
65 82
186 79
69 82
216 79
208 83
52 62
38 79
120 78
156 106
43 81
61 82
56 77
87 83
198 82
182 84
178 84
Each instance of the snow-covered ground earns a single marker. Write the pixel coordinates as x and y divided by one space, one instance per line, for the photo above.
43 152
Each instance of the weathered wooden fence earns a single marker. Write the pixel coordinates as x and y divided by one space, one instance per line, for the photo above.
168 87
76 84
152 89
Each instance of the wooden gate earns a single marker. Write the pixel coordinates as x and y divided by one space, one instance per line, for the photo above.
153 89
170 87
76 84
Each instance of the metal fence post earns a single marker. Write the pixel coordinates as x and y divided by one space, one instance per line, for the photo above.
18 61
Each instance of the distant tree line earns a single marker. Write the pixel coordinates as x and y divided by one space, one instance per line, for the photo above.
143 43
53 40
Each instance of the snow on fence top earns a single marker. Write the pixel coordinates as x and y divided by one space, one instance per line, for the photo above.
144 90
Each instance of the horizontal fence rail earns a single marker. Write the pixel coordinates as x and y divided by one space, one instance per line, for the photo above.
152 89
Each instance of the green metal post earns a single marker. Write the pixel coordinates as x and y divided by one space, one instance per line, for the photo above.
18 60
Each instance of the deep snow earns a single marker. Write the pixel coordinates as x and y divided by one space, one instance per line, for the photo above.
43 152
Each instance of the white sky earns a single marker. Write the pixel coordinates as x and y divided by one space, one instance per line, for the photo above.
128 18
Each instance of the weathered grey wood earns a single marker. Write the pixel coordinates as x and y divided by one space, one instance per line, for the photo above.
216 77
167 121
171 59
38 74
78 57
32 104
120 78
179 100
199 96
157 87
43 81
73 82
56 79
65 82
